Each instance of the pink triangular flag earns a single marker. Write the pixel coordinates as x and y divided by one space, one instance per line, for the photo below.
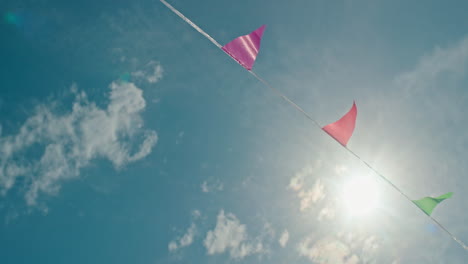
342 130
244 49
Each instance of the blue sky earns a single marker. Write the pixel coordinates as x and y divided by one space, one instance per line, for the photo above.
127 137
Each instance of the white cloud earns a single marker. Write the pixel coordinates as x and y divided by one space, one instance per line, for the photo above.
152 72
327 213
184 241
344 248
327 251
172 246
204 187
308 197
70 141
369 248
284 238
451 60
297 182
196 214
188 238
229 235
211 186
268 230
311 196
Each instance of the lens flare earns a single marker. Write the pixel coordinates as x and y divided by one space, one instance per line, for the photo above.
12 19
125 77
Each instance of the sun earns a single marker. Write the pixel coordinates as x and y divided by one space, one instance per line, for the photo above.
360 196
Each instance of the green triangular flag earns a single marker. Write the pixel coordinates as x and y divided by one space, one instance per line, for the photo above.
427 204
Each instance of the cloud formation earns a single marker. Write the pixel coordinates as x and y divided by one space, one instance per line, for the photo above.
229 235
67 142
284 238
327 213
211 186
188 238
297 182
343 248
451 60
184 241
327 251
152 72
310 196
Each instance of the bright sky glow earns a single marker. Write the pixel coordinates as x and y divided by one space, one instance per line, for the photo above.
360 196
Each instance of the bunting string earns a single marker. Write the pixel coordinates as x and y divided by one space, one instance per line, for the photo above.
192 24
308 116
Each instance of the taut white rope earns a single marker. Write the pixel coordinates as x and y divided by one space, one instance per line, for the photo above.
289 101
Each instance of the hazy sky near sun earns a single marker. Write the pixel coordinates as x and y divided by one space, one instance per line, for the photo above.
127 137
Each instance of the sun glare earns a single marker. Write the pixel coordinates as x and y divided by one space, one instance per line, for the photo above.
360 196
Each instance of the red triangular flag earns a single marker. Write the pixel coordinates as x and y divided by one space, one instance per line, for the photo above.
244 49
342 130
